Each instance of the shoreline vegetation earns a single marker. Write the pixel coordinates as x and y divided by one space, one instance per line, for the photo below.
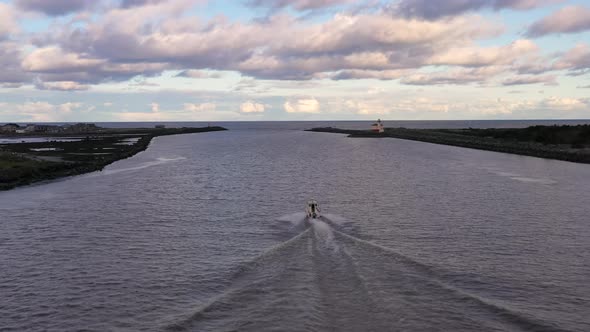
43 157
568 143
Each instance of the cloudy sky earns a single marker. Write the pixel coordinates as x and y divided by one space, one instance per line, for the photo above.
241 60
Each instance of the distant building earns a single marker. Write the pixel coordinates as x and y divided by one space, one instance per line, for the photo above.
35 128
82 128
42 128
378 127
31 128
9 128
55 129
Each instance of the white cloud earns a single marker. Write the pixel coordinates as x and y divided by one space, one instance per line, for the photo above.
200 107
286 57
304 105
367 107
53 64
155 107
460 76
251 107
421 104
35 107
11 85
54 59
380 106
433 10
349 43
570 19
566 104
421 107
578 58
375 90
298 4
141 116
39 111
69 107
61 86
8 23
524 106
189 112
472 56
192 73
531 79
10 72
349 74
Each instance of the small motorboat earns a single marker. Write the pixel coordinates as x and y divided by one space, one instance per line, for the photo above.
313 209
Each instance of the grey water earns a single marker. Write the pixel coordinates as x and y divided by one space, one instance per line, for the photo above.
206 232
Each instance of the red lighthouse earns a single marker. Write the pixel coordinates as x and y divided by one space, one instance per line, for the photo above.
377 127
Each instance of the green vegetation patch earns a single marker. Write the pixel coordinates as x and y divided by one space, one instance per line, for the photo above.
18 170
10 161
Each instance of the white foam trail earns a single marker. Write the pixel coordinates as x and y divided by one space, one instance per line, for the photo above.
158 161
185 323
293 218
518 177
508 174
325 234
533 180
336 219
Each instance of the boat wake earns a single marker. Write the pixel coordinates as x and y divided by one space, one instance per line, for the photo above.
326 279
158 161
521 178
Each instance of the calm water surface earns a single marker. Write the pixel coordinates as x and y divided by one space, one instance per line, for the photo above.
204 232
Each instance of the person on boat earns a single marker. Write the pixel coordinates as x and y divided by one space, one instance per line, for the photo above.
313 208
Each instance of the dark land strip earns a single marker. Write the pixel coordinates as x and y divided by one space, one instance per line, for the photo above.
569 143
65 155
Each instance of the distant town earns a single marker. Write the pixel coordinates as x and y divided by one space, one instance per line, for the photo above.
78 128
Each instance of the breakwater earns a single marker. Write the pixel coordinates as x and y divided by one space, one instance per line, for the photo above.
468 138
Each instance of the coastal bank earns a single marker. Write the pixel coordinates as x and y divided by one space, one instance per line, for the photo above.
27 159
568 143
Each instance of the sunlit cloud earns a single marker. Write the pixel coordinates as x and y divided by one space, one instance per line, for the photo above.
569 19
160 60
252 107
429 9
303 105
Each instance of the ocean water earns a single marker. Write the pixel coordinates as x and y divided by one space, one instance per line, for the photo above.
206 232
301 125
